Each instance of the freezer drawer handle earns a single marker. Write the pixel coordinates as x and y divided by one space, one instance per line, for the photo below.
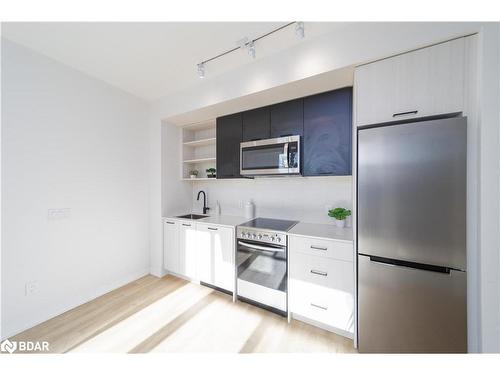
404 113
210 228
169 222
186 225
318 248
320 273
319 307
406 264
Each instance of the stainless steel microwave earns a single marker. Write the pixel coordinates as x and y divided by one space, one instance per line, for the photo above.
267 157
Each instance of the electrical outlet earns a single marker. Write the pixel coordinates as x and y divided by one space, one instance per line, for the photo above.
58 213
31 288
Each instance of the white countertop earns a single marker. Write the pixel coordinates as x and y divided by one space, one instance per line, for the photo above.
224 220
324 231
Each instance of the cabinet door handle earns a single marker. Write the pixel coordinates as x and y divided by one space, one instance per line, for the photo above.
318 248
169 222
320 273
319 307
186 225
212 228
404 113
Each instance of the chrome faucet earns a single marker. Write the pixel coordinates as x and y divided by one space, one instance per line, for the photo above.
205 208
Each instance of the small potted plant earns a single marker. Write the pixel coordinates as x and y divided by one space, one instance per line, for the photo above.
211 172
193 173
339 214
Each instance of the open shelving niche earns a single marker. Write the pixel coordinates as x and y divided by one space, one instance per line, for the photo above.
198 149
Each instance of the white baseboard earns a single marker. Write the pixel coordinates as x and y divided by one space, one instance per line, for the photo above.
75 302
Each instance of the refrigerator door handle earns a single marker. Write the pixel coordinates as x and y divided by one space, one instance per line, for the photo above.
405 264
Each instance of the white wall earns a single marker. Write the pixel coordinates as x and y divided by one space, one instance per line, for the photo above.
69 141
305 199
489 186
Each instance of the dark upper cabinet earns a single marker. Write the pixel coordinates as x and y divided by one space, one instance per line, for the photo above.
287 118
229 135
327 133
256 124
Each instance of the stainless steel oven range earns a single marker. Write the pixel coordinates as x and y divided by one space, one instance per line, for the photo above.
261 259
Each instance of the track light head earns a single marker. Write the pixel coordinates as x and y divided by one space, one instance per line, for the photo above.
251 49
299 30
201 70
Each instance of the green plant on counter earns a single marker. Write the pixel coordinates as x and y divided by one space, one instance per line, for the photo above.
194 172
339 213
211 172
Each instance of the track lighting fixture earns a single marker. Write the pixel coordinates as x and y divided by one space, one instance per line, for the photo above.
249 44
299 30
251 49
201 70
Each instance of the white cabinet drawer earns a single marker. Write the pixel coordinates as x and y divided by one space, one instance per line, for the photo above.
330 273
319 247
326 307
322 289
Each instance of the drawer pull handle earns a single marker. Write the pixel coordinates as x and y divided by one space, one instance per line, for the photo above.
319 307
318 248
404 113
210 228
187 225
170 222
321 273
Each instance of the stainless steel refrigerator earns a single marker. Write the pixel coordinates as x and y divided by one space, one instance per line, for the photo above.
412 237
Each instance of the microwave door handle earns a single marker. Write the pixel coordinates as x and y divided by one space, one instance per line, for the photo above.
285 151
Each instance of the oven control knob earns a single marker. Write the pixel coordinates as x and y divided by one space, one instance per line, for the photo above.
278 239
243 234
254 236
272 238
259 236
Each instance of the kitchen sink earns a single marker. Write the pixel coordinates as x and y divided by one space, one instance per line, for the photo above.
192 216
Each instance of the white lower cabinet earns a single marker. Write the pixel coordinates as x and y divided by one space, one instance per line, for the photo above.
171 246
199 251
216 255
322 284
188 250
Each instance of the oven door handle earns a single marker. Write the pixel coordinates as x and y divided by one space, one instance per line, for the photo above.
258 247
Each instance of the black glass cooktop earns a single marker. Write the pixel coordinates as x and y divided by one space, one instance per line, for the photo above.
271 224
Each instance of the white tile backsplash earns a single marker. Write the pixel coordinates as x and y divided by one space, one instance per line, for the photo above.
298 198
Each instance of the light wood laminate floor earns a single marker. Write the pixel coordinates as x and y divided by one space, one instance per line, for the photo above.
173 315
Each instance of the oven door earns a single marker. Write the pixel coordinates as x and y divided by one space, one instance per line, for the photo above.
270 156
262 273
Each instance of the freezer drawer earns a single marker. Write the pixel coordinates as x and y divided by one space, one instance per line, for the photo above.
407 310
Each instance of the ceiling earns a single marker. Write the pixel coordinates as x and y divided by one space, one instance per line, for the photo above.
151 60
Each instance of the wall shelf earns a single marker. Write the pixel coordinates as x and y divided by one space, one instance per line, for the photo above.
198 145
198 161
199 179
200 142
